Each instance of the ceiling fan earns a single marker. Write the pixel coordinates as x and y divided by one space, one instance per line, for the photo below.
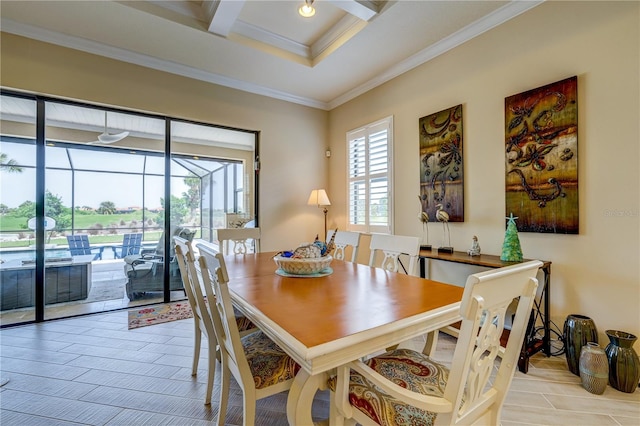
106 137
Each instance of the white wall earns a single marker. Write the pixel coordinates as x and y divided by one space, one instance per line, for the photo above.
595 273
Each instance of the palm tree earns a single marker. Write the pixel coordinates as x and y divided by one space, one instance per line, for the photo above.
107 207
9 165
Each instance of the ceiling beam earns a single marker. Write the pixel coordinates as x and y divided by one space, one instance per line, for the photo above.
363 9
222 14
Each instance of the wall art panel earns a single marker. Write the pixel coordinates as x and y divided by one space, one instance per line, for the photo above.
441 165
541 140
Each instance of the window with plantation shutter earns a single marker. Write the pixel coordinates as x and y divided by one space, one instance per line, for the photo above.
369 184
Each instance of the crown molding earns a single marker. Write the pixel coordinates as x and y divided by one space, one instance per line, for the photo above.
124 55
473 30
272 39
469 32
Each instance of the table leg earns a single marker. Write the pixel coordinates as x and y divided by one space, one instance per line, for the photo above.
430 343
425 267
301 395
547 316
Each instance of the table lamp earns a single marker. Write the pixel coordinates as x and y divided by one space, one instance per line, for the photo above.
319 198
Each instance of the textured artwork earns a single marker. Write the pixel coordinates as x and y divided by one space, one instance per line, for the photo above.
541 137
441 177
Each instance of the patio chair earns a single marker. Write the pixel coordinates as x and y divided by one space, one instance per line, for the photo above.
79 246
235 220
407 387
131 245
144 271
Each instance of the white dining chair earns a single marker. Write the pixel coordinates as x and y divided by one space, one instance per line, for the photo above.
244 240
392 247
407 387
201 318
342 241
260 367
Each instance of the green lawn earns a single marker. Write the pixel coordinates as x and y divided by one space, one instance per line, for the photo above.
93 239
82 221
116 224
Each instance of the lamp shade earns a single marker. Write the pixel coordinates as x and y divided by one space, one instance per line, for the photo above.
319 197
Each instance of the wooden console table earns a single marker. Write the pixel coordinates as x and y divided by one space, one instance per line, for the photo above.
532 345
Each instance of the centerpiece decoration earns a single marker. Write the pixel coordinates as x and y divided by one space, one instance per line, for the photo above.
306 260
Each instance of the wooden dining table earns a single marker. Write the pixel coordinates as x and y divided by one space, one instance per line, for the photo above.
323 322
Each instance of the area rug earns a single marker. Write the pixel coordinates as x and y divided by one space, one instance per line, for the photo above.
159 314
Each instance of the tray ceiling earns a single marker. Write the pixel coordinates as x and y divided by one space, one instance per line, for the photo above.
262 46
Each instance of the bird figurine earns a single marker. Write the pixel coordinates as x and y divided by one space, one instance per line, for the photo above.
443 216
424 218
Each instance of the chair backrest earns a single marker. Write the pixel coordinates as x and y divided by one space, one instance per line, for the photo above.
131 244
215 280
197 298
343 240
476 396
392 247
184 255
79 245
241 238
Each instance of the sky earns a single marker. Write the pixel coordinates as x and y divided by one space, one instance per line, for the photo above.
91 189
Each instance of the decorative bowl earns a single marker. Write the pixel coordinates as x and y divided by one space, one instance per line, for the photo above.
302 266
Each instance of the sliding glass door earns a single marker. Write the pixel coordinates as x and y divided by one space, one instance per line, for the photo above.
18 212
105 194
114 188
206 165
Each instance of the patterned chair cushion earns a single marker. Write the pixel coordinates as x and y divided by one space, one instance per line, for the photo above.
407 368
267 362
243 322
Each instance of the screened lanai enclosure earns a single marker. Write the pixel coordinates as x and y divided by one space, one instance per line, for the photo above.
88 195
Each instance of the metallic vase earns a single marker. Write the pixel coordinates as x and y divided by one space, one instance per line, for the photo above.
578 331
624 365
594 368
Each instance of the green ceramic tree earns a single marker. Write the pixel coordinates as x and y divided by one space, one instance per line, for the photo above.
511 251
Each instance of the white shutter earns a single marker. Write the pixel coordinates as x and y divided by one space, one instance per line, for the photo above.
369 184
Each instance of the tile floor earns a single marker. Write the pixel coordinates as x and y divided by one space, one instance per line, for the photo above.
92 370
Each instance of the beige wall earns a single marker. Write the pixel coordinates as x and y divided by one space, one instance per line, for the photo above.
292 140
595 273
